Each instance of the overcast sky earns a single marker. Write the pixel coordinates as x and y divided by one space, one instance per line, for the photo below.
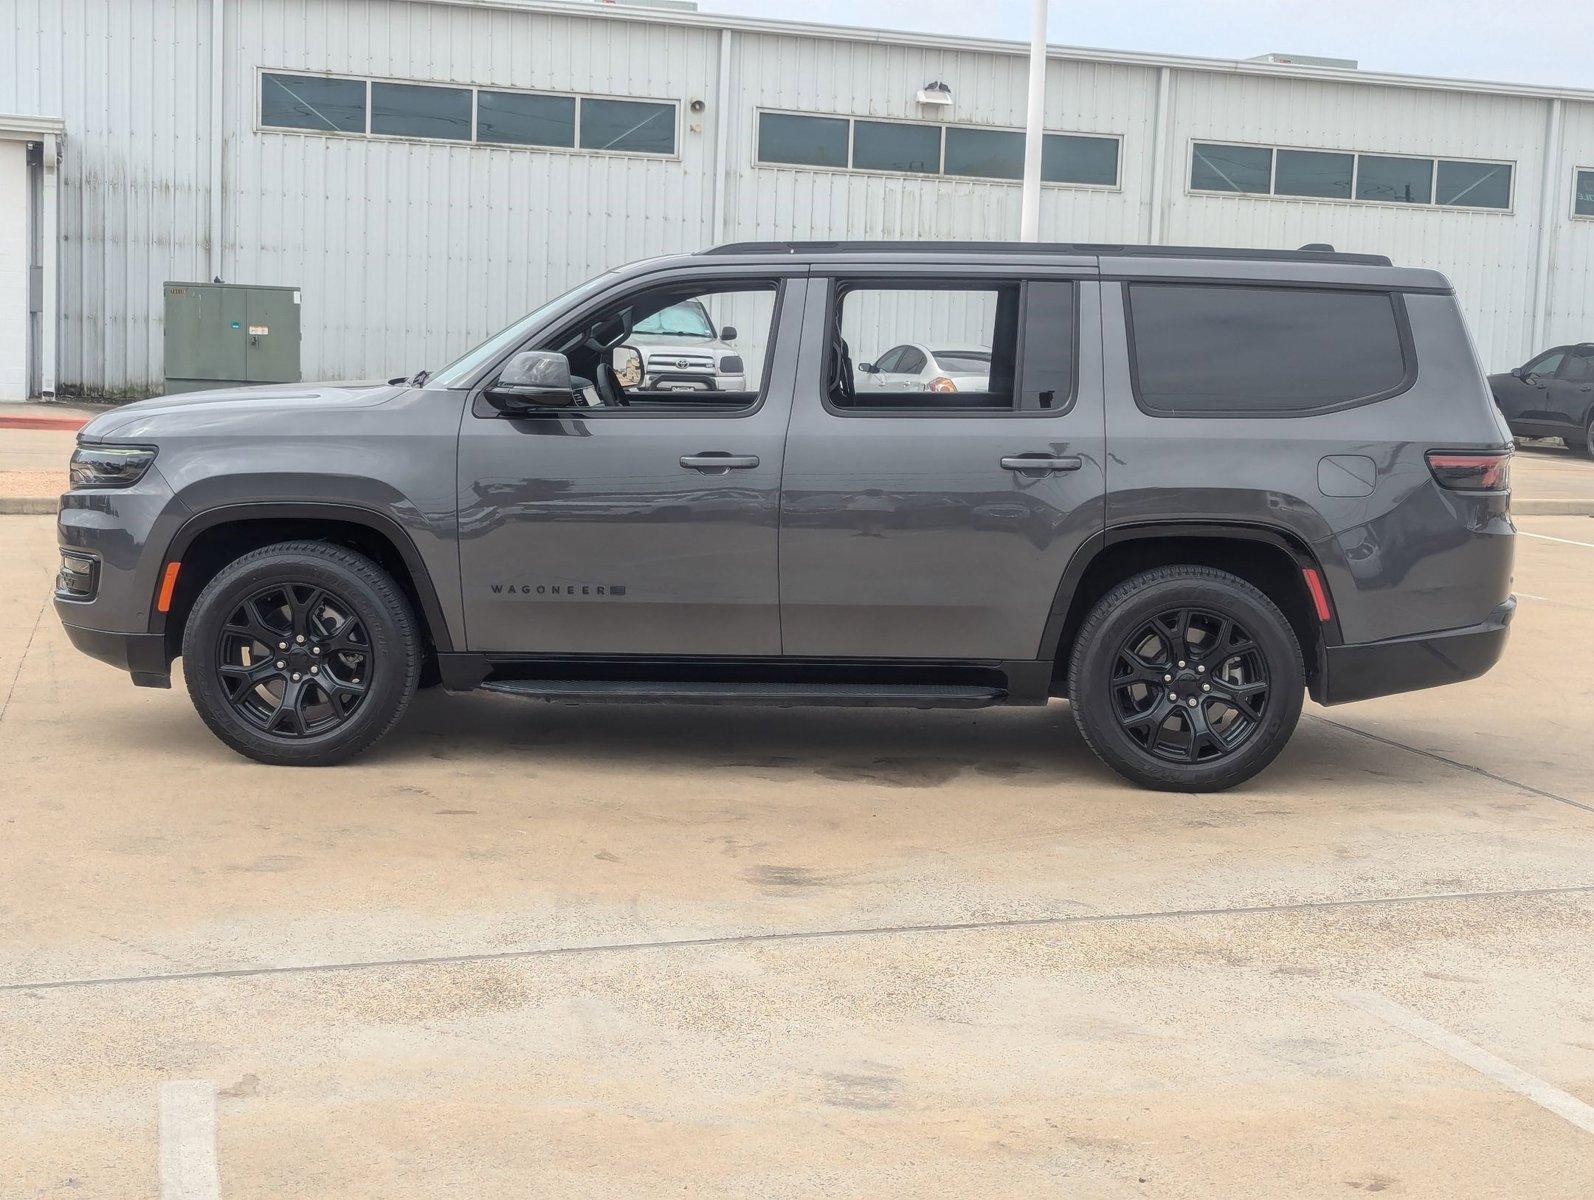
1530 41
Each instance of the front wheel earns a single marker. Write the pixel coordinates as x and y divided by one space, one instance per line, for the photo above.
1186 679
301 654
1586 449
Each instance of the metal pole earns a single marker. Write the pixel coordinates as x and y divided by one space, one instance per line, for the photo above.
1030 212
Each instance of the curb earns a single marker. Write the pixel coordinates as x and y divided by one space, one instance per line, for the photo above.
1552 508
59 424
28 506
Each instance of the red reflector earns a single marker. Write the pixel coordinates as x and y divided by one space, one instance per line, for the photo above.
163 602
1314 584
1471 472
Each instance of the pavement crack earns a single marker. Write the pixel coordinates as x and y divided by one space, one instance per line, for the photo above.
5 704
1458 764
800 935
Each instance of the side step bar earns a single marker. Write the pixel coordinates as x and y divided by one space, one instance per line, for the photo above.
779 695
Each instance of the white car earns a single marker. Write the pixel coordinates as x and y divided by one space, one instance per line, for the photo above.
914 367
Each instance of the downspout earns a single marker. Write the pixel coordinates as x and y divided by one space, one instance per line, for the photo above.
218 30
1549 193
49 263
1159 160
722 139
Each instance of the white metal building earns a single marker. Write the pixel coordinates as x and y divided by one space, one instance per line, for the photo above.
289 142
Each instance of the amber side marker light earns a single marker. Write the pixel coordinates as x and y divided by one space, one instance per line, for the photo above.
163 602
1314 585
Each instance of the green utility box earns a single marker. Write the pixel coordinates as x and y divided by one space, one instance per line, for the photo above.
225 334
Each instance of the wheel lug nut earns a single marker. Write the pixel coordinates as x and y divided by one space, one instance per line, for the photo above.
298 637
1167 679
1201 670
1174 696
1205 687
282 645
1181 664
1192 701
281 665
296 678
315 649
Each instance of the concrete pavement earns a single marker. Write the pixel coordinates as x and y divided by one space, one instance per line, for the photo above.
547 950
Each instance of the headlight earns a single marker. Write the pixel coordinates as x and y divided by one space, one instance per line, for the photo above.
110 466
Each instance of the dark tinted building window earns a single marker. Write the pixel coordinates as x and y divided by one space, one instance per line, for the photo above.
633 125
1070 158
1314 173
1216 168
812 141
991 153
1394 180
518 119
1583 199
889 146
1473 184
311 102
405 110
1202 348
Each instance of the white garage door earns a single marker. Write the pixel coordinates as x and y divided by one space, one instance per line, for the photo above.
13 270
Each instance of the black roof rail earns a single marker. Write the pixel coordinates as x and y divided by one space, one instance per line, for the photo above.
1315 252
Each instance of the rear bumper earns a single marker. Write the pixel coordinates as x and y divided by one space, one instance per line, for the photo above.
142 655
1368 669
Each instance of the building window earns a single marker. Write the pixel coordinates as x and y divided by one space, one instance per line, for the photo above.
1583 194
641 128
1216 168
313 102
408 110
917 148
521 119
1341 175
493 117
810 141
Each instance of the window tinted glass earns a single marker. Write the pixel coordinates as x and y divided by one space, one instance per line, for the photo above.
888 146
687 319
1214 349
1394 180
404 110
516 119
627 125
889 360
1583 203
962 360
992 153
814 141
308 102
1578 367
1069 158
1476 185
1215 168
872 320
1313 173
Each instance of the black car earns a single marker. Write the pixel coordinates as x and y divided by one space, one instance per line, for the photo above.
1552 396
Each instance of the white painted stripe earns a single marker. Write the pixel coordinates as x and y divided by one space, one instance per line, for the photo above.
1544 537
1530 596
1546 1095
188 1168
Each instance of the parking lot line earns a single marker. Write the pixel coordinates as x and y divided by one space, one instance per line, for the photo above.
188 1169
1544 537
1546 1095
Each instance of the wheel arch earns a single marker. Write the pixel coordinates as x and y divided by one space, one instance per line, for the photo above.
1269 558
208 541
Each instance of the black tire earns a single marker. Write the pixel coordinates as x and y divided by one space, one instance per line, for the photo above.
345 680
1252 697
1586 449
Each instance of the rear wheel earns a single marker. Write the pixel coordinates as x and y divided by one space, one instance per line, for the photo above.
1586 448
1186 679
301 654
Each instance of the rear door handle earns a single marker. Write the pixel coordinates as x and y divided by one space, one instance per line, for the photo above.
717 462
1042 462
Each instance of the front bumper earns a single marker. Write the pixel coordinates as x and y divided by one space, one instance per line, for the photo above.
1405 664
143 655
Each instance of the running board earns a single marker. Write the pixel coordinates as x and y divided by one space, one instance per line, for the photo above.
779 695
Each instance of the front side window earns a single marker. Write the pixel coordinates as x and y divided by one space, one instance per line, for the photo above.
1228 350
1545 364
313 102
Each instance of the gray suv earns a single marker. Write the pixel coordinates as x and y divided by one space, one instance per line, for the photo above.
1192 486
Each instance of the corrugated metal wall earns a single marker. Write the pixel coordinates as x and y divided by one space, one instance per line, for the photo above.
407 252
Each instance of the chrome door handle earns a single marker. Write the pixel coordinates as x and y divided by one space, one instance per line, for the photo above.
1042 462
717 462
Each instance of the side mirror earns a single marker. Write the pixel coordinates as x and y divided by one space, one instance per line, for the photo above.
1519 372
727 333
628 367
533 379
868 368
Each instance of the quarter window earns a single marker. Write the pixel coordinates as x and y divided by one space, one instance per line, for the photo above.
407 110
313 102
1216 350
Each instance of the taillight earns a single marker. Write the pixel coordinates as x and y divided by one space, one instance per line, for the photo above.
941 384
1471 472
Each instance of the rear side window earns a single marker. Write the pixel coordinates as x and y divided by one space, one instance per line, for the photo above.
1223 350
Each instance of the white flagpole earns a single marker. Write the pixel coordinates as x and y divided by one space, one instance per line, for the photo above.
1030 212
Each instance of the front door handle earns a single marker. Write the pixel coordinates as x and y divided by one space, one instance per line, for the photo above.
717 462
1042 462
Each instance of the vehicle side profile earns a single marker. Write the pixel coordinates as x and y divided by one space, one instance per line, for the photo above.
916 368
1189 487
1551 396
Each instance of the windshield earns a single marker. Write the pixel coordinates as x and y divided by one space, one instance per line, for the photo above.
973 361
686 319
458 372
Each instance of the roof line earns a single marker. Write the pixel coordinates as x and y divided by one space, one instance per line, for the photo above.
865 247
592 10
